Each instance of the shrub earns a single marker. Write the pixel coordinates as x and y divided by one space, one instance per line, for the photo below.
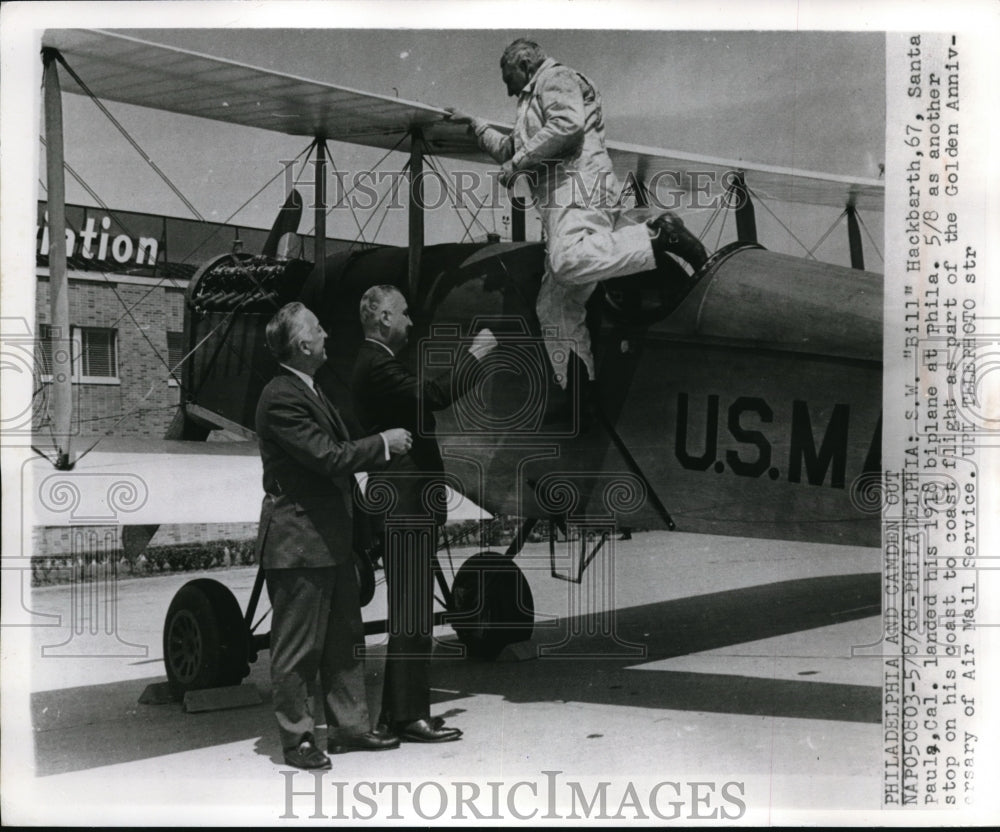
155 560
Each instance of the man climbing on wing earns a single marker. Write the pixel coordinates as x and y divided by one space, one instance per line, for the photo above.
558 145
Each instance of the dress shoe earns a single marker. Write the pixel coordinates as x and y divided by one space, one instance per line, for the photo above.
307 755
370 741
673 236
425 730
383 728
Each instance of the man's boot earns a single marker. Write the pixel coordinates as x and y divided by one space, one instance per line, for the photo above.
673 237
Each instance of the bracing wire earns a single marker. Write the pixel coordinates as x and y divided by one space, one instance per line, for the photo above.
354 215
453 198
128 137
385 214
722 227
828 232
467 227
351 190
719 208
777 219
245 203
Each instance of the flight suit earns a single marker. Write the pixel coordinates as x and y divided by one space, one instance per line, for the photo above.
558 144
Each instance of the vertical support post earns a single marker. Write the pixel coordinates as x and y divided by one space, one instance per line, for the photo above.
746 218
517 219
416 208
517 209
62 368
854 239
319 241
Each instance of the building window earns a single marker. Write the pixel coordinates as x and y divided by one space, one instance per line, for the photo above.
175 354
94 352
97 355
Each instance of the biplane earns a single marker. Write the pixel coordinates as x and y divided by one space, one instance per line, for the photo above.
742 397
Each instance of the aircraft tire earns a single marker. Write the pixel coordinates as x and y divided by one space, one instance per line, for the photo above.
492 605
204 638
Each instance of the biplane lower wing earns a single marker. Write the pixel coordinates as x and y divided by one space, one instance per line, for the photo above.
154 481
150 482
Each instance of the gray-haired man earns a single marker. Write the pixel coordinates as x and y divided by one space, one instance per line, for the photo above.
558 145
305 547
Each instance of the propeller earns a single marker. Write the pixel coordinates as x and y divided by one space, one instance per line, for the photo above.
287 222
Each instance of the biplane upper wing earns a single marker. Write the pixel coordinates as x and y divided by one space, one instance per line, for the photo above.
129 70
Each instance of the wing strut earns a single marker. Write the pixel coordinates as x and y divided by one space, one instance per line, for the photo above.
854 239
319 241
62 369
746 218
633 464
416 224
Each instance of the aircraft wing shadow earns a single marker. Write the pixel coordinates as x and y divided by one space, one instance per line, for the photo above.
691 625
108 727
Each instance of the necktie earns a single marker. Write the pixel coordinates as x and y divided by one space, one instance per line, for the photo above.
338 423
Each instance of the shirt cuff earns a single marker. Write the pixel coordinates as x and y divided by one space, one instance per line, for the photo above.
479 126
385 446
517 160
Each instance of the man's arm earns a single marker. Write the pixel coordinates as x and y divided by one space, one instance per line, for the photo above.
390 381
294 428
499 145
490 140
561 100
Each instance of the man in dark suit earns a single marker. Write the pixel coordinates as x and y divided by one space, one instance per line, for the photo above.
386 392
304 545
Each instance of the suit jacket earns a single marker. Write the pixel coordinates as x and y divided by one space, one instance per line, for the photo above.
308 458
387 394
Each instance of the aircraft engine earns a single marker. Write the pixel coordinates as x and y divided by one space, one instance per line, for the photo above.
228 303
247 283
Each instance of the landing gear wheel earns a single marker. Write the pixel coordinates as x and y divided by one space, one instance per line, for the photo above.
204 638
492 605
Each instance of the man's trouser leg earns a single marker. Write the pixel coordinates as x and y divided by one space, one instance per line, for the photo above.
584 247
301 626
410 590
562 313
342 668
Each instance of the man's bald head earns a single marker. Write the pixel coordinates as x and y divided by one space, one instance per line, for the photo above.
385 316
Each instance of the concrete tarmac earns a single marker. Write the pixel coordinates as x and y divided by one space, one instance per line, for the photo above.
697 678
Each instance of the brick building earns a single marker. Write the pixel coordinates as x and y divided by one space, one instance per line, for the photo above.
127 275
